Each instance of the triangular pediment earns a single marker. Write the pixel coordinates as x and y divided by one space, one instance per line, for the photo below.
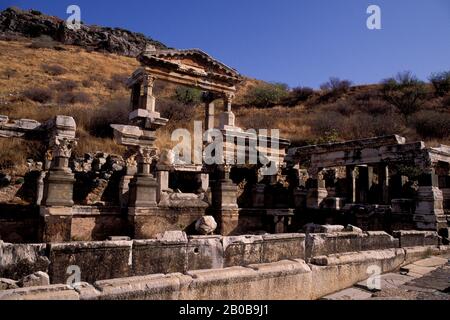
190 61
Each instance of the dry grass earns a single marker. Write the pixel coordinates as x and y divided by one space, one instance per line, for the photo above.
97 80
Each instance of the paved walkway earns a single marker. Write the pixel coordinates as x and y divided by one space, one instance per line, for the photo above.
427 279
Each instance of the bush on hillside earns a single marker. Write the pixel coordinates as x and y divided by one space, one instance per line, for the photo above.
266 95
43 42
53 69
298 94
441 82
405 92
70 97
117 82
66 85
335 86
432 124
41 95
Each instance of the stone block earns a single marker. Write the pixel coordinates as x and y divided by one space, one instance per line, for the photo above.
242 250
19 260
149 287
377 240
283 246
36 279
159 256
412 238
205 252
96 260
51 292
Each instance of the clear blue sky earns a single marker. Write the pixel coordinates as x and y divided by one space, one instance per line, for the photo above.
292 41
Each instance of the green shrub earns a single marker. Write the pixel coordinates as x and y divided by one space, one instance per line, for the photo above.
441 82
405 92
188 96
266 95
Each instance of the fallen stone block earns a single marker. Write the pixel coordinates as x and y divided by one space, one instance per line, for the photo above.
36 279
52 292
19 260
6 284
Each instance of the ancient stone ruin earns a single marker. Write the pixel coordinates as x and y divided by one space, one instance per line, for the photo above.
326 211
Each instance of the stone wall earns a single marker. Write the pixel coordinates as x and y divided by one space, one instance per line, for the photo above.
174 252
287 279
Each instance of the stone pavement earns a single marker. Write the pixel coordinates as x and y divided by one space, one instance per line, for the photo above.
427 279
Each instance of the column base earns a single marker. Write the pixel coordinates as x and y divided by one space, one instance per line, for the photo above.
142 192
58 189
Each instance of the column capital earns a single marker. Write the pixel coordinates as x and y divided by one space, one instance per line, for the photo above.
62 147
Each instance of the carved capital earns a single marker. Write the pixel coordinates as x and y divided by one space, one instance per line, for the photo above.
146 155
62 147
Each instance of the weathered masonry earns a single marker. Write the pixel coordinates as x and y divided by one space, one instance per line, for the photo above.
385 173
380 183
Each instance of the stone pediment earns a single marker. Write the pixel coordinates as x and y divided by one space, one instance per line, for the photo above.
191 61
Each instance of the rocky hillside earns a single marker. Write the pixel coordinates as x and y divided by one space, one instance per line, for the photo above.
33 24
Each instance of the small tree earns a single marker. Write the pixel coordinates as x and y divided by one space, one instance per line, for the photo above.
299 94
441 82
188 96
336 85
267 95
405 92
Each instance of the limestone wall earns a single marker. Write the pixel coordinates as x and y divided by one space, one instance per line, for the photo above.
114 259
287 279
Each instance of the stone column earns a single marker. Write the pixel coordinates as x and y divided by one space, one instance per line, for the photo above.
383 182
429 214
142 203
148 100
57 198
224 202
317 192
350 173
227 117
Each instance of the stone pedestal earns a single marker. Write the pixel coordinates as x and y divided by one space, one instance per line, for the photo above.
143 190
58 189
224 201
429 214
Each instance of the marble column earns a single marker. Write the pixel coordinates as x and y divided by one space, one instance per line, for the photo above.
227 117
148 100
